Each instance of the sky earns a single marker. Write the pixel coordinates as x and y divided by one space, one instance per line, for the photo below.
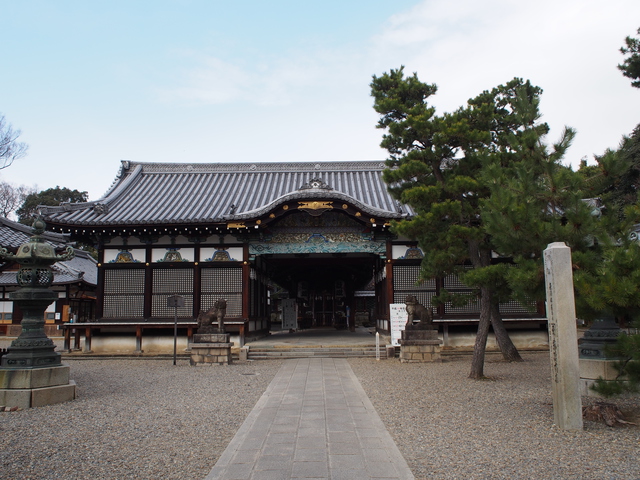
92 83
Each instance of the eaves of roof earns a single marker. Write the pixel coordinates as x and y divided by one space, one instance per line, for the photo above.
178 194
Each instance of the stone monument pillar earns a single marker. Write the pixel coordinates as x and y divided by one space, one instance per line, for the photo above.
563 337
31 373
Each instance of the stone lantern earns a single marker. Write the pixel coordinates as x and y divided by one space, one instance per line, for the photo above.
31 372
594 361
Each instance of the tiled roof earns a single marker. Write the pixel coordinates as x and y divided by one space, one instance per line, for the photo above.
82 267
188 193
13 234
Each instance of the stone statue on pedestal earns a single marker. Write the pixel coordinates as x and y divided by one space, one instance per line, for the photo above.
211 345
217 312
420 341
417 311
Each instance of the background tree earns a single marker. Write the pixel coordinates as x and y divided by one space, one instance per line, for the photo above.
631 65
535 200
616 285
52 196
615 178
12 197
434 166
10 148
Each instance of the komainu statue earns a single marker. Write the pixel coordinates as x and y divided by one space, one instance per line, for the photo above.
417 311
217 312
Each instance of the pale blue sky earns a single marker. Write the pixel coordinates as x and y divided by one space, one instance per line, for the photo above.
90 83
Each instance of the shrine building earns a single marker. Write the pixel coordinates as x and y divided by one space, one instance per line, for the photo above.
314 236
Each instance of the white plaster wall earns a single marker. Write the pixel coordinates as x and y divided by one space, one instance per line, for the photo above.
110 254
159 253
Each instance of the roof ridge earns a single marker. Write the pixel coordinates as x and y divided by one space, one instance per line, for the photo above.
249 167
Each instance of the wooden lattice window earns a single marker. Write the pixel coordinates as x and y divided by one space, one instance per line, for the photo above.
223 282
405 282
513 307
172 281
123 294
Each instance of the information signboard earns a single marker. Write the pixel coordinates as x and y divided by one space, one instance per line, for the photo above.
399 318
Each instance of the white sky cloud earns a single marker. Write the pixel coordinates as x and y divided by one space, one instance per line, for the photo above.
207 81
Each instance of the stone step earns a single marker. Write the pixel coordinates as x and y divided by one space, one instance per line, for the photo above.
319 352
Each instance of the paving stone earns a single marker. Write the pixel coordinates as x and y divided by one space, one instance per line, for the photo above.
308 429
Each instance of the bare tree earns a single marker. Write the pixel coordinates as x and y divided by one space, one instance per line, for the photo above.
11 198
10 148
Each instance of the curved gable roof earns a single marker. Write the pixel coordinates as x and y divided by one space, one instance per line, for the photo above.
191 193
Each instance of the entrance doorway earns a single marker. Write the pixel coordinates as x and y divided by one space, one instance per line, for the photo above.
324 286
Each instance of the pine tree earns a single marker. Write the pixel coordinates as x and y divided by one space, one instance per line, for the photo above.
435 166
535 200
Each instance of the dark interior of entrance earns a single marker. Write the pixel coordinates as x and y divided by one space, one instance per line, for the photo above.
325 286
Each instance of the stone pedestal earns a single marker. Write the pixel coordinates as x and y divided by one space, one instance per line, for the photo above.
31 372
35 387
419 344
591 370
211 349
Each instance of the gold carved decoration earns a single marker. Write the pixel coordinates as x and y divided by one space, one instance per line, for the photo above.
315 208
345 206
236 225
358 214
285 207
315 205
273 215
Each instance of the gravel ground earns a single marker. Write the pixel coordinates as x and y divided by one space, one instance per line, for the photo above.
450 427
149 419
144 419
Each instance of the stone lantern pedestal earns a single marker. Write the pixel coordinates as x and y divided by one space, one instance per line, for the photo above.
31 372
593 360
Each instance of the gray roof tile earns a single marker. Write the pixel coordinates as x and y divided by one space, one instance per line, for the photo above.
82 267
188 193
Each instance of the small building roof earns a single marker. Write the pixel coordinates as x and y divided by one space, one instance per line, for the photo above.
81 268
193 193
14 234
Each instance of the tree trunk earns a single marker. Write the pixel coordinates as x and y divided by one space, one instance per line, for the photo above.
480 258
479 348
509 351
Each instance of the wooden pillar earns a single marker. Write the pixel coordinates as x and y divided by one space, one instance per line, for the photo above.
389 285
351 302
246 282
67 340
139 339
76 339
87 340
197 287
100 285
440 310
148 285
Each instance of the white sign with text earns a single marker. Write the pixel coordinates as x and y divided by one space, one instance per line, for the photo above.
399 318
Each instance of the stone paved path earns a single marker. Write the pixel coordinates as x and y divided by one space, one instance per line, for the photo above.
314 421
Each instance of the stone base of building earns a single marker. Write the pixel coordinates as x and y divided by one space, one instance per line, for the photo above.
210 349
420 345
591 370
36 387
